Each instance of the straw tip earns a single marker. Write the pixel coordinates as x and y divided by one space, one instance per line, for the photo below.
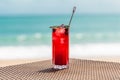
74 8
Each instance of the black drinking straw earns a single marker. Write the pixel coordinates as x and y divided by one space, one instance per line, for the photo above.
74 8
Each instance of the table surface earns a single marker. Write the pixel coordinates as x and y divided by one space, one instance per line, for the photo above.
78 70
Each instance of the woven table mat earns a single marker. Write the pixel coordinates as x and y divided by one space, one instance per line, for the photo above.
78 70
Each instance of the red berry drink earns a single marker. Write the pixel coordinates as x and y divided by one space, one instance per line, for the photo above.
60 46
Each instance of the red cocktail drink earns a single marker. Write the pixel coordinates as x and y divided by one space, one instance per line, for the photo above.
60 47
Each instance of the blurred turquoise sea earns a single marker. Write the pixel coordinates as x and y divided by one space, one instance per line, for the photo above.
34 29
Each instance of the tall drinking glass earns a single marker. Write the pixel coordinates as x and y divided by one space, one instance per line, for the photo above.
60 47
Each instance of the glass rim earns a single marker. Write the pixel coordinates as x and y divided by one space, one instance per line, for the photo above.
66 26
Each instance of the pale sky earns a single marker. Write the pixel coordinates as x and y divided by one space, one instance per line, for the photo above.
59 6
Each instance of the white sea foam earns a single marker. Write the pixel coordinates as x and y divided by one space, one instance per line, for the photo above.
79 36
76 51
21 38
37 35
25 52
95 50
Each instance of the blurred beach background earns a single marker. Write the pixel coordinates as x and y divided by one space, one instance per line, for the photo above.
25 32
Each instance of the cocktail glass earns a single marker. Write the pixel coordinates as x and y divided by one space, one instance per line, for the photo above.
60 47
